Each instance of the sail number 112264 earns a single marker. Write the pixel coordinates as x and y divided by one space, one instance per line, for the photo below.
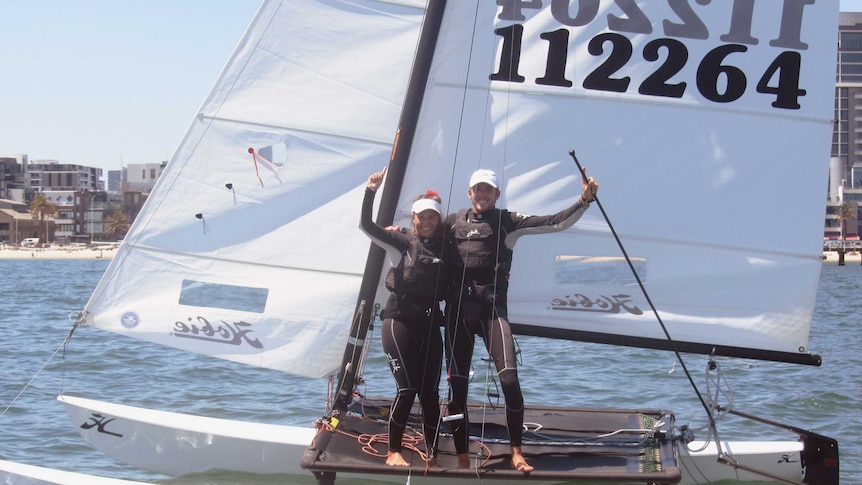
716 79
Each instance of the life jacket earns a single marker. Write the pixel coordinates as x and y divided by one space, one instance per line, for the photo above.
421 273
481 243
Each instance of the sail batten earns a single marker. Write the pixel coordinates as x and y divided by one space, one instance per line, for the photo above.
294 129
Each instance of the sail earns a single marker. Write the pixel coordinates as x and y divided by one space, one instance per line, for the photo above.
708 129
248 248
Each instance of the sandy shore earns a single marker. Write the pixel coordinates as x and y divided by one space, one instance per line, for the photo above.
77 253
831 257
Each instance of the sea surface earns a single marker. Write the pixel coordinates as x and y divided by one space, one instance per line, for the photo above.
36 298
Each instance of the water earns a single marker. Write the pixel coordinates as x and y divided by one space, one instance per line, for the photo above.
37 297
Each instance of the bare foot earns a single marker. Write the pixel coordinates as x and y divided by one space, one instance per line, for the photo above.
463 460
519 462
394 458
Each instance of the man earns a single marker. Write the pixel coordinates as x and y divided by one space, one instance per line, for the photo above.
483 237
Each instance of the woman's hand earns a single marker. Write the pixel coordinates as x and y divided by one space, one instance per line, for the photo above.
375 179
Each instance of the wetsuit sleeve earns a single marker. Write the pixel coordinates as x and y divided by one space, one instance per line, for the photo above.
384 238
522 224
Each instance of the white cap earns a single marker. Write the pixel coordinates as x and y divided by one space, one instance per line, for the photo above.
425 204
484 176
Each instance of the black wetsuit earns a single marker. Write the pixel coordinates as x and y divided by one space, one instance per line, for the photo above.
477 304
411 324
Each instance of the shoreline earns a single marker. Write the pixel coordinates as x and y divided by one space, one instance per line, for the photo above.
850 257
829 257
76 253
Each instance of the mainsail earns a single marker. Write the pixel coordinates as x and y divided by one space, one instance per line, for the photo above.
248 247
708 129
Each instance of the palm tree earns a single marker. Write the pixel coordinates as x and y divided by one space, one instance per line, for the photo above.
845 213
40 207
116 224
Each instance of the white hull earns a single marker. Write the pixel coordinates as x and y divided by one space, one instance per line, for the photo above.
12 473
179 444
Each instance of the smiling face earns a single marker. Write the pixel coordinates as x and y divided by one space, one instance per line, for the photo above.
426 223
483 196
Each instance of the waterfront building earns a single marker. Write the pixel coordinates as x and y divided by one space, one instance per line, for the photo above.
16 222
44 175
142 177
13 180
845 168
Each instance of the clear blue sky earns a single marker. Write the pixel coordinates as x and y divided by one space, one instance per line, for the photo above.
109 82
105 82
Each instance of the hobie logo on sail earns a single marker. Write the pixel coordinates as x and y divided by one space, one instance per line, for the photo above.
130 320
224 333
600 304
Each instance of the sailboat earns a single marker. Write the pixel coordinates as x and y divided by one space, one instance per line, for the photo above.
708 127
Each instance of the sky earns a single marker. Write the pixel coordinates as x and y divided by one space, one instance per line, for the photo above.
106 83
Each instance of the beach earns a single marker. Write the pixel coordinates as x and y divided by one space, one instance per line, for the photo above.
853 257
58 253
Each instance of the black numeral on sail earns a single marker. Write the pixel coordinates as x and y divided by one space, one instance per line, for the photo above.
787 93
601 78
558 50
711 70
717 79
510 57
656 84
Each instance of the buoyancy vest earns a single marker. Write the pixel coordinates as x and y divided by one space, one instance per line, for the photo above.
422 273
480 241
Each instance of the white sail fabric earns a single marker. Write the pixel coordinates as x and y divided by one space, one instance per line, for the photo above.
257 258
711 160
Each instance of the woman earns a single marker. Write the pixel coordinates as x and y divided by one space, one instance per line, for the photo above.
411 319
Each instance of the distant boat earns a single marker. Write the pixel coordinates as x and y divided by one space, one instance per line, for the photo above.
698 121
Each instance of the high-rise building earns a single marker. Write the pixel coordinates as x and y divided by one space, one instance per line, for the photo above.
845 168
847 131
115 180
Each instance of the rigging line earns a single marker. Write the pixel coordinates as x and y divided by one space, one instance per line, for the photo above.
464 89
457 314
30 382
648 299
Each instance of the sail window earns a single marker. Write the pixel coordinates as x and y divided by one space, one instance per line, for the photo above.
594 270
225 297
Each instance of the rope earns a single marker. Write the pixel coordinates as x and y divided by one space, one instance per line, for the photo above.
30 382
649 301
367 441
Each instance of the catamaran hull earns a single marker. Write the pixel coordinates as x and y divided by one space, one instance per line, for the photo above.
180 444
12 473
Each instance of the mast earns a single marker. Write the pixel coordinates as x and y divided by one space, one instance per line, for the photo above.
389 200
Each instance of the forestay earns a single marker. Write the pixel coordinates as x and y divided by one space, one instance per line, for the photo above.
708 130
248 247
